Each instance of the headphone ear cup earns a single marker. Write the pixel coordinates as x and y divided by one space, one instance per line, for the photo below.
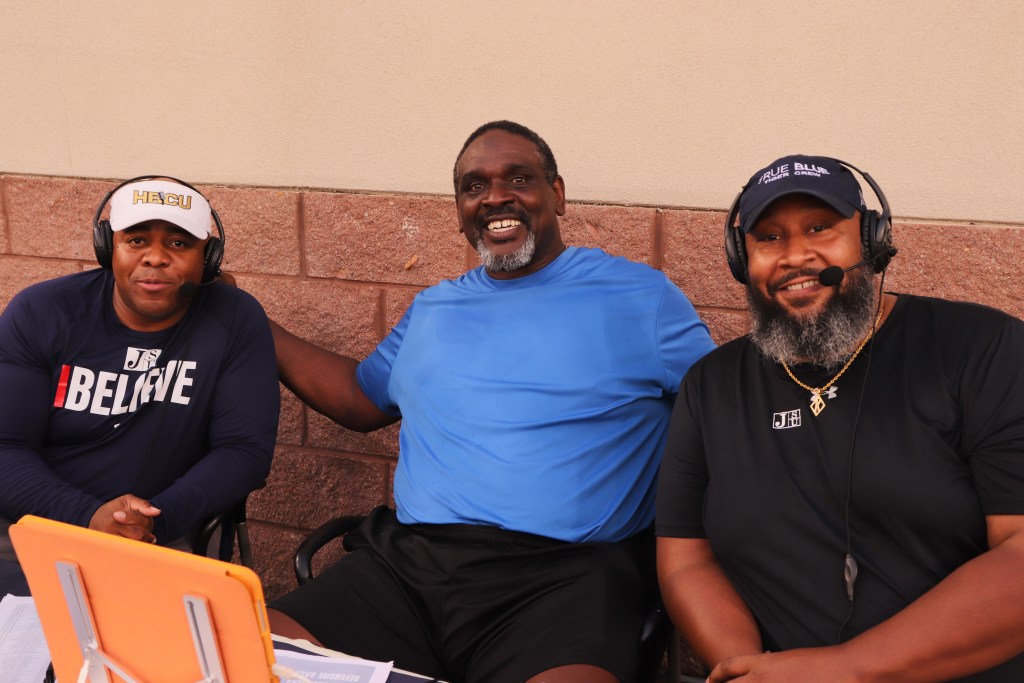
875 238
735 247
867 227
212 256
103 243
736 254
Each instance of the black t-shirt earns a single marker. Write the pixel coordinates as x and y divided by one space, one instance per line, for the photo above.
937 443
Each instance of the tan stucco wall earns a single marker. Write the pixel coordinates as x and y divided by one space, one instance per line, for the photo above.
659 103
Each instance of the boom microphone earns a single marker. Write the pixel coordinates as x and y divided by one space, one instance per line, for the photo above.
187 290
833 275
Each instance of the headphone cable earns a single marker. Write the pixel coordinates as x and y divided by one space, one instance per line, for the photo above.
849 562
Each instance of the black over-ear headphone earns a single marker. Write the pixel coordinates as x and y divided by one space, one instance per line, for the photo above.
103 235
875 232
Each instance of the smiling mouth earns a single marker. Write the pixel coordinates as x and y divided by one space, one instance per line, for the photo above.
504 225
502 222
799 286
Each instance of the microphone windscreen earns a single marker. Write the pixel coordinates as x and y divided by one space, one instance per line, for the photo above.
831 276
188 290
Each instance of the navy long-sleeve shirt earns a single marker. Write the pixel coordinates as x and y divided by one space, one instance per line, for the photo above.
90 409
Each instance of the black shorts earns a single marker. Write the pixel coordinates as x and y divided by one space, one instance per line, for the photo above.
472 604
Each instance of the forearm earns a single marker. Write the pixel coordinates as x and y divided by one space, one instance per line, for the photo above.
29 486
222 478
326 382
703 604
969 622
28 482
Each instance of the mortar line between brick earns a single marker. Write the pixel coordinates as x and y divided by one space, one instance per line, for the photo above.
658 239
256 521
8 244
381 314
721 309
300 217
340 452
305 424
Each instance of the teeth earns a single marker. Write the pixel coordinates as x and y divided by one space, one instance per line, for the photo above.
502 225
802 285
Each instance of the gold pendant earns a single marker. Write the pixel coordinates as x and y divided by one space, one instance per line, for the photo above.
817 403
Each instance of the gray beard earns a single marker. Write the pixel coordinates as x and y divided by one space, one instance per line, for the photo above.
508 263
827 338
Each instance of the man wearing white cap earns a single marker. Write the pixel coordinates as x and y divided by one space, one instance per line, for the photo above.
137 400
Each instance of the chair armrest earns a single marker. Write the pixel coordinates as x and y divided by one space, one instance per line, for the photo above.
204 532
233 525
318 538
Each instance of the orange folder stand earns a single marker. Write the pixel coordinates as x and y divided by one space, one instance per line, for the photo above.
131 612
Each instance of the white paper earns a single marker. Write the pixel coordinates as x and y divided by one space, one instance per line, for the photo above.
23 652
283 644
320 669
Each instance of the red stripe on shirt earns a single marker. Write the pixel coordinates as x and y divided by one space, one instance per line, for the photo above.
62 387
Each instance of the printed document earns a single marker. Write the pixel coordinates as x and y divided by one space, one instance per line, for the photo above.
320 669
23 653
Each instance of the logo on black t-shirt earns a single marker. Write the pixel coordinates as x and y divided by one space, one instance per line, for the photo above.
786 420
138 360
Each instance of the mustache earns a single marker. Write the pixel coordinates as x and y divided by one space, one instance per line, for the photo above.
826 338
789 277
506 211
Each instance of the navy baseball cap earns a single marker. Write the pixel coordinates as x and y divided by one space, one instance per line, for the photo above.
821 177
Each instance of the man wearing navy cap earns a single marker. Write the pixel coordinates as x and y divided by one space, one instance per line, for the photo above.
136 399
842 492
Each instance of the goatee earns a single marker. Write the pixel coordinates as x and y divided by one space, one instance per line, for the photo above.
826 338
506 263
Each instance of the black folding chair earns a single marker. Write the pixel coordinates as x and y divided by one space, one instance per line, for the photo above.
232 526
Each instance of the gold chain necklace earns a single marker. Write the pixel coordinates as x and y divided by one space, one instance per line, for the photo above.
817 402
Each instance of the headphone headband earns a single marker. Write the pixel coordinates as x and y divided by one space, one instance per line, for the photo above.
886 214
876 230
103 234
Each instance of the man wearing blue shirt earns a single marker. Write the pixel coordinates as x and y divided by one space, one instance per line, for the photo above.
534 394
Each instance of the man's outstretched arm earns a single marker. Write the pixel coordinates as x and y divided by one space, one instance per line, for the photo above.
326 381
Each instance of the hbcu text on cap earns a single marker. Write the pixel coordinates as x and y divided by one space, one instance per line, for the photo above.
168 198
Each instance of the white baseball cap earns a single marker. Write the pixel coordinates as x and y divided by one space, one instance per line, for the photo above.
164 200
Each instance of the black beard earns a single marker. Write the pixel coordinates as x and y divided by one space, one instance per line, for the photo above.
827 338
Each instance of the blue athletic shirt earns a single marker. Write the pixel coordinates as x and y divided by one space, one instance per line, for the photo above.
537 404
90 409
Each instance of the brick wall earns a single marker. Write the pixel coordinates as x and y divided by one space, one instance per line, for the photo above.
340 269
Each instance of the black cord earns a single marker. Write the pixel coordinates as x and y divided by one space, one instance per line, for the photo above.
849 562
